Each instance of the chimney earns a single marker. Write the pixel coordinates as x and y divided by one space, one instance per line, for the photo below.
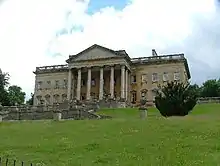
154 53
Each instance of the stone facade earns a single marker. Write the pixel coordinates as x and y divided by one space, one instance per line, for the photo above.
98 73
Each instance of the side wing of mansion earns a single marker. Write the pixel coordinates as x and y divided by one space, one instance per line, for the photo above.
98 72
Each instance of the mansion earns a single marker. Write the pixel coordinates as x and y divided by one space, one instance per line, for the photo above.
98 73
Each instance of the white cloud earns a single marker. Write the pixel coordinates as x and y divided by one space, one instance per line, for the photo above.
27 27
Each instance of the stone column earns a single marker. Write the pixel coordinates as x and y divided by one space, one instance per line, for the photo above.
69 85
101 83
88 84
78 90
73 86
122 82
129 87
112 82
126 84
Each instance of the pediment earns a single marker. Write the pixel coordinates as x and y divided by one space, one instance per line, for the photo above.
94 52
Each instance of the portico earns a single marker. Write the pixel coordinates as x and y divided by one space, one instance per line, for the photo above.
97 73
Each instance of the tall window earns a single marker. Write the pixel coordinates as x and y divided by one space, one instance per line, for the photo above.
154 77
64 83
48 85
39 85
144 93
176 76
47 98
165 76
144 78
93 82
83 82
133 79
57 84
134 97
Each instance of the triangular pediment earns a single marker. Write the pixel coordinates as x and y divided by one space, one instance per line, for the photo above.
94 52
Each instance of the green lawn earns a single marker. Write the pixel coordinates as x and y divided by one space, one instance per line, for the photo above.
125 140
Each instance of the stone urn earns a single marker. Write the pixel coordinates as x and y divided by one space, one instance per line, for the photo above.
143 109
57 115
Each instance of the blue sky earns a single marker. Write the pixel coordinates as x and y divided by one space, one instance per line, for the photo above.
96 5
45 32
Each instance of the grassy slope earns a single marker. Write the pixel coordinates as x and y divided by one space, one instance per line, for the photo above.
124 141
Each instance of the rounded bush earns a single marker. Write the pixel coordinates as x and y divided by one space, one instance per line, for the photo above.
175 99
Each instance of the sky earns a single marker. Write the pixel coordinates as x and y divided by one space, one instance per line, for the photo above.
45 32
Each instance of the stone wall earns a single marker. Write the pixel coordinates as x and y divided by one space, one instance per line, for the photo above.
67 111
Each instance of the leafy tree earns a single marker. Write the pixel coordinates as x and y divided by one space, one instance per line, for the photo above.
4 82
15 95
211 88
176 99
31 100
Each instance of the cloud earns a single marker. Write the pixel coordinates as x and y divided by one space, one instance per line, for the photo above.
44 32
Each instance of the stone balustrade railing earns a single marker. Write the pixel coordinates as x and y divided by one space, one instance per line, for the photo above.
158 58
51 68
208 100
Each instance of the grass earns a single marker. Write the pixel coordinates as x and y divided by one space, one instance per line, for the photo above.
125 140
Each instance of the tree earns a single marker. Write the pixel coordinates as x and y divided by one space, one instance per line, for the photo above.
31 100
211 88
176 99
15 95
4 82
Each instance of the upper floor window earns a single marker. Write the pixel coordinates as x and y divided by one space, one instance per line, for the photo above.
165 76
83 83
176 76
48 85
93 82
57 84
133 79
154 77
64 83
144 78
39 85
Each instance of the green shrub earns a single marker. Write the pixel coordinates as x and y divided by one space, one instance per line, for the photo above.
175 99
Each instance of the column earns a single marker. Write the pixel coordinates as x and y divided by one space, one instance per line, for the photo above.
101 83
78 90
112 82
129 87
73 86
122 82
69 85
126 84
88 84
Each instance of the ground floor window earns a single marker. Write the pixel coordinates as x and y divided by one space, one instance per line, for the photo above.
133 97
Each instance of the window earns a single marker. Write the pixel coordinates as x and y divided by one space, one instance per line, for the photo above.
154 92
93 82
176 76
83 82
144 78
64 97
144 93
165 77
39 85
47 98
39 100
57 84
56 98
133 79
134 97
154 77
64 83
48 85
